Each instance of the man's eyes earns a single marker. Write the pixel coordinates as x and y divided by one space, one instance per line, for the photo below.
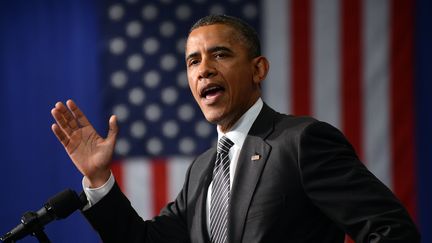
220 55
216 55
193 62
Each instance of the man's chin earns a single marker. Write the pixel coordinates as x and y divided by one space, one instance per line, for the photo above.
213 117
212 120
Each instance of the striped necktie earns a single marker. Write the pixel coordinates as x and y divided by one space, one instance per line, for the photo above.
220 194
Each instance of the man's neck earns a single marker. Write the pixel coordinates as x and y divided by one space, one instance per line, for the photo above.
224 129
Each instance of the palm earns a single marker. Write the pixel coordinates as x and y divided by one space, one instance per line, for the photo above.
89 152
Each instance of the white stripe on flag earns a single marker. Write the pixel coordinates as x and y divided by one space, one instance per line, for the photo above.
276 43
138 185
376 89
325 61
177 168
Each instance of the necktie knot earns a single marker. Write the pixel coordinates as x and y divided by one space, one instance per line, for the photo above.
224 145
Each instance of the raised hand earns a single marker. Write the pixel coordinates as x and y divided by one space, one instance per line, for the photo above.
90 152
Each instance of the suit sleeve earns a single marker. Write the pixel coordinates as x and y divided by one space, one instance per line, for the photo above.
340 185
116 221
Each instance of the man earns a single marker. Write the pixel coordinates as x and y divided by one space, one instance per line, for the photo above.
280 178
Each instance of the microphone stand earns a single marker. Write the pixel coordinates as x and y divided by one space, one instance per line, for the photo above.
33 225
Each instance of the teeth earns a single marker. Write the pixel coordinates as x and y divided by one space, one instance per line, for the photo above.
210 89
207 90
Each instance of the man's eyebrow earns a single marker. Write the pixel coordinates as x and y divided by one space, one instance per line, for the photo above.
219 48
192 55
210 50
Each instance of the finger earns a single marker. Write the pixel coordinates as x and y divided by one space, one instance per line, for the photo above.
69 117
61 136
61 121
113 128
79 115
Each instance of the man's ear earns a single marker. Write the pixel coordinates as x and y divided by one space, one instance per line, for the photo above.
261 68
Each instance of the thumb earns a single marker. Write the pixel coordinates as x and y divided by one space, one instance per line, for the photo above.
113 128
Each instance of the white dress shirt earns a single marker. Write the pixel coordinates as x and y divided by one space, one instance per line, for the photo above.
237 135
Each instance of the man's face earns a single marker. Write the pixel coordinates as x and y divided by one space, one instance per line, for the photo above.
222 77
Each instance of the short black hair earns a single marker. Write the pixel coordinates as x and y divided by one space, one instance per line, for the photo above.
246 32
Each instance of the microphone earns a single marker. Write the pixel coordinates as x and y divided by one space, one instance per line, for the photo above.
57 207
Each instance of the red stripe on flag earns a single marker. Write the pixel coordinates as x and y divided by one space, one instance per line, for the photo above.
117 171
402 114
351 69
301 68
160 184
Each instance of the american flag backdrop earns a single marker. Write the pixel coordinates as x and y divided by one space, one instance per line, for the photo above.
362 65
349 63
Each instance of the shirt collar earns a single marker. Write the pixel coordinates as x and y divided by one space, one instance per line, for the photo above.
241 128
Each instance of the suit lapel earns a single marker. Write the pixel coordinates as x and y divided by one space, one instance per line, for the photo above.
252 160
207 163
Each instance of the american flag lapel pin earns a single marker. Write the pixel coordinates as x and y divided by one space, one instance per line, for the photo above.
255 157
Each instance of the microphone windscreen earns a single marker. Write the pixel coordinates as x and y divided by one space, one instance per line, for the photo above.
64 203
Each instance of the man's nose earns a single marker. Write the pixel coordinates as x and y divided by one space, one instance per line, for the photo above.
206 69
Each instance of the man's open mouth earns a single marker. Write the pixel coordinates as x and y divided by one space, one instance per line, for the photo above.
211 91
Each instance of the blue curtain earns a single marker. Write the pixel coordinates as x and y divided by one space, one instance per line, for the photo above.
48 53
423 99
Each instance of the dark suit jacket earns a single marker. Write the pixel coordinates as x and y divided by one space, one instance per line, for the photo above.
307 186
